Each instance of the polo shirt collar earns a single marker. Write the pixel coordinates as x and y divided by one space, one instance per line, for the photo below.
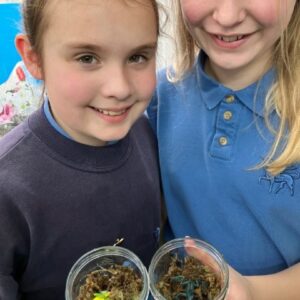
252 96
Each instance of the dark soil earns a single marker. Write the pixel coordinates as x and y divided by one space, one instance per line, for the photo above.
189 279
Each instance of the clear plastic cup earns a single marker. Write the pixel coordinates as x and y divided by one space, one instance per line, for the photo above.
104 257
198 249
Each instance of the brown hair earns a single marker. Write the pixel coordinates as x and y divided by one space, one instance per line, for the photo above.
284 95
35 22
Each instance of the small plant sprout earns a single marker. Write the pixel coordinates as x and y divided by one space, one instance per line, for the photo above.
104 295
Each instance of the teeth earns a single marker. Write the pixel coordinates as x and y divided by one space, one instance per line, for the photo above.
111 113
230 39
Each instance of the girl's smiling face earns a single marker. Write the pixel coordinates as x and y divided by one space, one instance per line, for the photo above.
99 66
237 35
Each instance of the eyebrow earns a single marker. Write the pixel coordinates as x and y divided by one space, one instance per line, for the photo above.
97 48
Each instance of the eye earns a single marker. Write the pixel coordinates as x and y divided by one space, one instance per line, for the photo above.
87 59
137 58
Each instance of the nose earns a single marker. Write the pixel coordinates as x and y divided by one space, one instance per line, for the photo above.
117 83
229 13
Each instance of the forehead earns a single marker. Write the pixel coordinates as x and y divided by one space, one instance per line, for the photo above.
63 8
52 5
101 22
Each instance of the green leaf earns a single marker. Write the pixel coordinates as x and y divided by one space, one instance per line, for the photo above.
104 295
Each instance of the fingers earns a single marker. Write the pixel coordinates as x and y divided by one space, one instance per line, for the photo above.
202 253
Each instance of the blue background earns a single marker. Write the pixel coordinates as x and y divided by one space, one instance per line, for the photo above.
10 25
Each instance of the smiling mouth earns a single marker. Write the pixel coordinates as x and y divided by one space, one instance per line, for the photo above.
111 113
230 39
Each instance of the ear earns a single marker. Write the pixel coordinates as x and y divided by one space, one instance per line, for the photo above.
29 56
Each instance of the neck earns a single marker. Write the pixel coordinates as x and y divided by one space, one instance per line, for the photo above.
238 78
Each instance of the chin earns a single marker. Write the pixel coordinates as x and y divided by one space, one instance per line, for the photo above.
230 61
117 136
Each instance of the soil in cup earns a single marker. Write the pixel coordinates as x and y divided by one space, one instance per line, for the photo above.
189 279
116 282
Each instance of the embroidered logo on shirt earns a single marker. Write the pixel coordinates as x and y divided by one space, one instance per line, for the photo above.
286 179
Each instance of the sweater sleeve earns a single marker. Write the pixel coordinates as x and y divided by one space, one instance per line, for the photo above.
8 288
14 245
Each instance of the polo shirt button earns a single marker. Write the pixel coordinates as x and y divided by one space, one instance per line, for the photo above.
223 141
227 115
229 98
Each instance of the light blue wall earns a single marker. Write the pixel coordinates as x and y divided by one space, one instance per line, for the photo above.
10 25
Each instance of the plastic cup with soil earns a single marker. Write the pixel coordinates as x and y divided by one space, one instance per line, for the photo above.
188 269
108 273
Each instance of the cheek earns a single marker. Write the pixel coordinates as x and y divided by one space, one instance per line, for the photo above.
273 13
148 85
267 17
70 87
194 10
145 84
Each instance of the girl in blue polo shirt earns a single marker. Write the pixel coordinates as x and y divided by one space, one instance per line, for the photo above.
227 118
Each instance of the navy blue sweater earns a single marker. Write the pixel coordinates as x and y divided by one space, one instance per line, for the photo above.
60 199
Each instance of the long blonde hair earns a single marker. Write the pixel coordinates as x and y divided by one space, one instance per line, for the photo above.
284 95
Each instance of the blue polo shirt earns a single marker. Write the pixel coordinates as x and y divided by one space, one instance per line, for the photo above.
210 137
